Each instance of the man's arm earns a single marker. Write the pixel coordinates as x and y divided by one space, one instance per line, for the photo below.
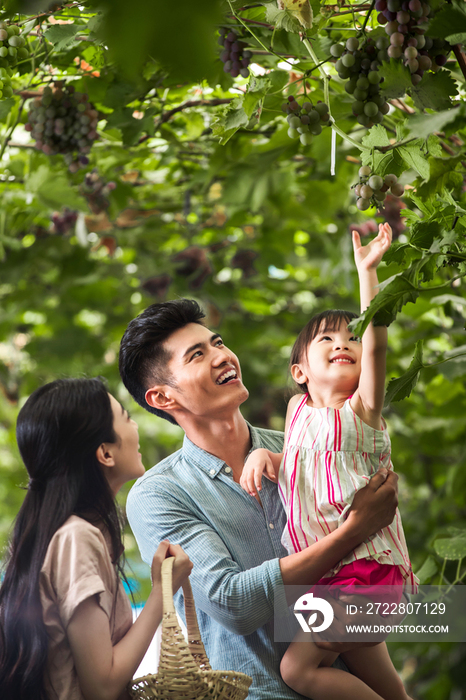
241 601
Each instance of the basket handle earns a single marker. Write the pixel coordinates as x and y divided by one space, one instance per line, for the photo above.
195 643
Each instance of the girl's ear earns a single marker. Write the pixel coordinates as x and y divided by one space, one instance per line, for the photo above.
104 455
299 375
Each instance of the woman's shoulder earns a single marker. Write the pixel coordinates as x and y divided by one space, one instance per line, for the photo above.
75 535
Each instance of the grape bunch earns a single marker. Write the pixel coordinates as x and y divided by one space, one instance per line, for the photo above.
358 62
405 23
64 221
96 190
306 120
63 121
372 189
235 57
13 48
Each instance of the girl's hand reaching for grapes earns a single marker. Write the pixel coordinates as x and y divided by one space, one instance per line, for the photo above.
368 257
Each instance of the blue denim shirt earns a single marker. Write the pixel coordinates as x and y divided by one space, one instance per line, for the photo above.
191 499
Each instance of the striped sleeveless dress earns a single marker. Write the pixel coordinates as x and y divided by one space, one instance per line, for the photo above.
329 455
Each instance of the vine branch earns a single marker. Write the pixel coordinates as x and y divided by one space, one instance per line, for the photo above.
191 103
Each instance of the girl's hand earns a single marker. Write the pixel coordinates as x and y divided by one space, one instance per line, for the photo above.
368 257
258 464
182 566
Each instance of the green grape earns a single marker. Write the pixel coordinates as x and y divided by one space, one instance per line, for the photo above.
293 133
363 204
352 44
374 77
294 122
315 129
370 109
306 139
366 191
336 50
390 179
348 60
360 95
364 171
321 108
376 182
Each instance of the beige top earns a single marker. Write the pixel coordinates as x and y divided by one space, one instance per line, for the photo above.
77 566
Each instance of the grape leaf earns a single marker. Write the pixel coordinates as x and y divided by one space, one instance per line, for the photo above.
402 387
450 20
393 294
453 548
421 125
427 570
234 117
5 108
397 79
424 232
414 158
60 35
441 175
434 91
257 89
282 19
376 136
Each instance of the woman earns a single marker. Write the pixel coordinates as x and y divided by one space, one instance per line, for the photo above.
66 629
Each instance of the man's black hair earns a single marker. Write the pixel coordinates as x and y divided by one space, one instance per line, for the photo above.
143 356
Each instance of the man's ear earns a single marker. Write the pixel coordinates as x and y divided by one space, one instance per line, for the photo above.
160 397
104 454
298 375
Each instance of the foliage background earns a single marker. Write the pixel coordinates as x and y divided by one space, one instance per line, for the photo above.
212 200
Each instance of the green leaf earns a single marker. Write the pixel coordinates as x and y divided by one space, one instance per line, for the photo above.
393 294
427 570
376 136
442 176
397 79
434 91
424 232
232 119
414 158
54 190
282 19
257 89
402 387
450 20
453 548
421 125
5 108
61 35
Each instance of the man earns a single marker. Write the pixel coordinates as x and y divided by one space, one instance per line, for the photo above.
178 369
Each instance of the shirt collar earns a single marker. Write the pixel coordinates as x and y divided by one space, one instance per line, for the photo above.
209 463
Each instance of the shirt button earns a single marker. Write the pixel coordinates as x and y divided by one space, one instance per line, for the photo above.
271 526
227 470
212 472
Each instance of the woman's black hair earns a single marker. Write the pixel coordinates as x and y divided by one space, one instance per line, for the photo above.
59 429
320 323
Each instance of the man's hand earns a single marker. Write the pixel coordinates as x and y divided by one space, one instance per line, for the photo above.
374 506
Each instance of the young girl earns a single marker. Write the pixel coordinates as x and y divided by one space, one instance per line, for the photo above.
66 629
335 441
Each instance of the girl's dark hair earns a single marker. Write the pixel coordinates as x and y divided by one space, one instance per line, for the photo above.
325 321
59 429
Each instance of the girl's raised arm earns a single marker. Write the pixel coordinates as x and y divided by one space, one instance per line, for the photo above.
368 400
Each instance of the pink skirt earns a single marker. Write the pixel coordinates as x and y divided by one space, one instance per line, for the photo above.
371 575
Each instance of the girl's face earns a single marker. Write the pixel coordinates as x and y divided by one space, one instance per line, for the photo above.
126 458
333 358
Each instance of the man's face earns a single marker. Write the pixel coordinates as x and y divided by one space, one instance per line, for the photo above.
206 373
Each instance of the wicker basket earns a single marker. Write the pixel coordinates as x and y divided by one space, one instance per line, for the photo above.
184 671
